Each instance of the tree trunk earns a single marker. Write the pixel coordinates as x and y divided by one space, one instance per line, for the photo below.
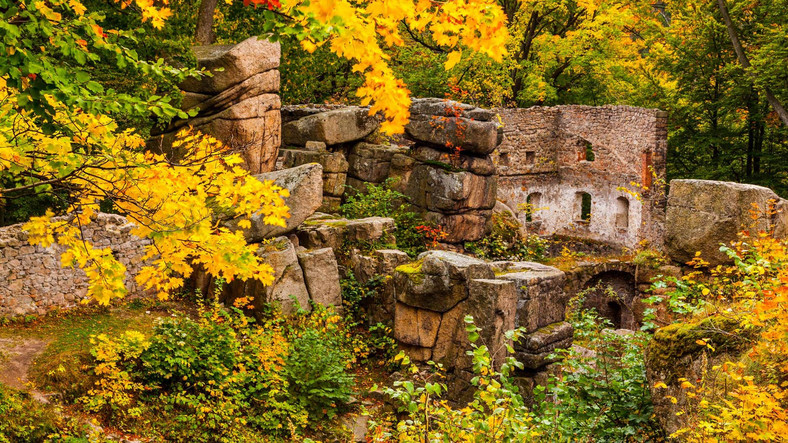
745 62
204 34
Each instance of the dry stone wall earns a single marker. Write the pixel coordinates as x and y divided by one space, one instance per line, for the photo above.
569 163
32 280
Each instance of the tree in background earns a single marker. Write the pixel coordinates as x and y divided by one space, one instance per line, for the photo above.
722 126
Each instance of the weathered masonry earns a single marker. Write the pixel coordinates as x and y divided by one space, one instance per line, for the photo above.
569 165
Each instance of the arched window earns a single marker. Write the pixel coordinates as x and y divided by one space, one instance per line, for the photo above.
532 206
622 213
583 207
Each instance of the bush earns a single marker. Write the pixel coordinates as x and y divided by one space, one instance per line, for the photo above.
315 369
219 378
506 241
25 420
602 395
413 234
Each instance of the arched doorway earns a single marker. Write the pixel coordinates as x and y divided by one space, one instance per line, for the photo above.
612 298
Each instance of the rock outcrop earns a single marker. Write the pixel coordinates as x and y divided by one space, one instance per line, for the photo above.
443 165
306 195
704 214
238 103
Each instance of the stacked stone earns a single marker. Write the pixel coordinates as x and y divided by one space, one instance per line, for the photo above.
320 135
453 181
301 274
334 171
541 305
239 104
433 296
32 280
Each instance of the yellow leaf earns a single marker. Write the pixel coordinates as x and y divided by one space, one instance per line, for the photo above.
453 58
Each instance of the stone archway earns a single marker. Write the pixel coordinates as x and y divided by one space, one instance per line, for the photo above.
613 297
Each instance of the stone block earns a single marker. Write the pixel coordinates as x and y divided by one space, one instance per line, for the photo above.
261 84
533 350
468 226
416 327
330 204
321 275
474 137
438 280
333 162
462 162
438 189
305 184
232 64
371 163
541 299
702 214
334 184
332 127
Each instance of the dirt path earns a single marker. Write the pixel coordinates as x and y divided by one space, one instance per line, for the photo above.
16 356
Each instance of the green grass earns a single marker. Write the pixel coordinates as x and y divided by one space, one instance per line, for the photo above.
61 367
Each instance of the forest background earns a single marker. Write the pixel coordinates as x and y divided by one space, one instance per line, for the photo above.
675 55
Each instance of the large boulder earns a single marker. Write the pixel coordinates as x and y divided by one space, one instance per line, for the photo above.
259 84
331 127
702 214
440 188
305 184
541 299
443 107
326 231
475 137
232 64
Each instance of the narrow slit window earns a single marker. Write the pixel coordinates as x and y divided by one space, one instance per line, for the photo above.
589 154
530 157
622 213
583 204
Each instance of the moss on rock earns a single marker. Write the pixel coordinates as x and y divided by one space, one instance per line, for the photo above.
668 349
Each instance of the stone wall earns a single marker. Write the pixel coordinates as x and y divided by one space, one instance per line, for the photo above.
32 280
556 154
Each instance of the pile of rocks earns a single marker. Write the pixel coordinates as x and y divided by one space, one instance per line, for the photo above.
454 180
238 104
324 136
300 274
443 163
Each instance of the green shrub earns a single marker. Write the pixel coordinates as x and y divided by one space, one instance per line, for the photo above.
315 370
602 395
383 201
219 378
25 420
507 242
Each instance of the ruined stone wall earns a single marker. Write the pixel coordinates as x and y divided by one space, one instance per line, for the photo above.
32 280
556 154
